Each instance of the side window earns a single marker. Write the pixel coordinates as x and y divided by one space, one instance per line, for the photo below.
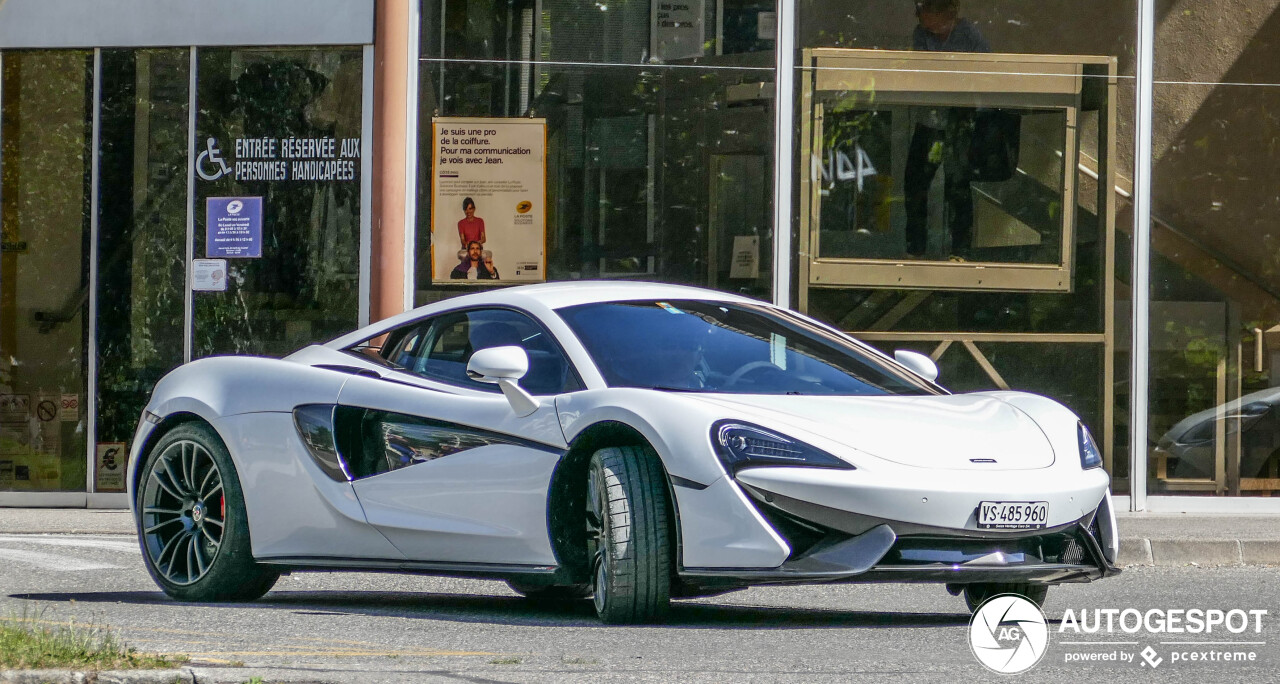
444 350
445 357
403 346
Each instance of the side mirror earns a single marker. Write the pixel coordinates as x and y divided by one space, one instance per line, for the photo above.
919 363
504 366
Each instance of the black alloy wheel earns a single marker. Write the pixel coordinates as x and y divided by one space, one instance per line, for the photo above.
191 520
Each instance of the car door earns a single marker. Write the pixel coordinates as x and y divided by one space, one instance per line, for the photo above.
441 464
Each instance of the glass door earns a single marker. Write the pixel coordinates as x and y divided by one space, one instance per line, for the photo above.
276 243
142 228
46 115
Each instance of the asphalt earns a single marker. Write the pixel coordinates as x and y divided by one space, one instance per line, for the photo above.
1145 538
69 566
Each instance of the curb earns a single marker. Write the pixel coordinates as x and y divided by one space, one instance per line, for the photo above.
1174 552
183 676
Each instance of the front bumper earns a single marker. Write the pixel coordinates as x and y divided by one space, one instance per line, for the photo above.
833 545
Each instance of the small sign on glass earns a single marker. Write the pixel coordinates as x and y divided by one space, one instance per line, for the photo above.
209 275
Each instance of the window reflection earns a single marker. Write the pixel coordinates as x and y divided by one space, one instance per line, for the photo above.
653 172
965 219
142 228
45 127
941 183
306 284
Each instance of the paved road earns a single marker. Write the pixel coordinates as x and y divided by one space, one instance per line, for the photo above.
355 627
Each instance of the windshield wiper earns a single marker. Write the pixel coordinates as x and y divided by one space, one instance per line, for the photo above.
663 388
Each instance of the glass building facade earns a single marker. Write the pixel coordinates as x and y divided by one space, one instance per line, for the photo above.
961 182
955 178
110 161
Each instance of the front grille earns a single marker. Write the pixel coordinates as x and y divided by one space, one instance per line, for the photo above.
1072 553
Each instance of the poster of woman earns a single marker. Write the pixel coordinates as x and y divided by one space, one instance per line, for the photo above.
471 227
488 200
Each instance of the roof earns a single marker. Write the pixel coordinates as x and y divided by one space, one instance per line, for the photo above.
556 295
572 293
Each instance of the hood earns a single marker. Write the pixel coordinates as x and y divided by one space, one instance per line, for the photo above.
947 432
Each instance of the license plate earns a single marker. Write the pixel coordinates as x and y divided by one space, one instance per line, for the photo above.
1013 515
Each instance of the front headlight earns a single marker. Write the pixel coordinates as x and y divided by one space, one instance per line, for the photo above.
1090 455
740 445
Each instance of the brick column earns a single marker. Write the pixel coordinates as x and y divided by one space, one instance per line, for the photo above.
390 147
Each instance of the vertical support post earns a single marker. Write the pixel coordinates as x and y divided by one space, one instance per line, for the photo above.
91 386
1139 381
1107 217
442 19
6 306
783 158
651 188
1234 380
389 229
366 186
188 297
412 54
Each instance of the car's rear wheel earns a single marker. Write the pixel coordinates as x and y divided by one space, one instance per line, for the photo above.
192 523
628 536
977 594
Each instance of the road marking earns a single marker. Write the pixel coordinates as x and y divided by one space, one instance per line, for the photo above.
75 541
333 653
352 654
49 561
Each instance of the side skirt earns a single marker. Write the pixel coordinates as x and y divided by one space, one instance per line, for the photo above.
477 570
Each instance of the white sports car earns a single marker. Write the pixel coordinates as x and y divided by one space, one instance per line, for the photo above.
628 442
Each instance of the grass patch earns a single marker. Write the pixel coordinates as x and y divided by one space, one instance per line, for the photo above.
567 660
505 661
28 643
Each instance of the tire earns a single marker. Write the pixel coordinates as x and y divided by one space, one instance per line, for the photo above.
977 594
555 593
191 520
628 536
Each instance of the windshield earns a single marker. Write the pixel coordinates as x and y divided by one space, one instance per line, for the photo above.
721 347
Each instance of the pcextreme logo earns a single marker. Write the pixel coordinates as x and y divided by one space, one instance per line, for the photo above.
1008 634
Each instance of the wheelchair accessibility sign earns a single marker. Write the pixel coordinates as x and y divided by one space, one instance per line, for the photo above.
209 164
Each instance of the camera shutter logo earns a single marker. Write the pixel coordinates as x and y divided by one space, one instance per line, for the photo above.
1008 634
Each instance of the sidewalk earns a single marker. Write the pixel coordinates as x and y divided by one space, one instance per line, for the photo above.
65 521
1145 538
1201 538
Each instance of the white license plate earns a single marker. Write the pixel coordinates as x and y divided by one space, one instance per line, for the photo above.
1013 515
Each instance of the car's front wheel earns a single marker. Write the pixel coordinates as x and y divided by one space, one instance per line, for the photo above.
192 523
628 535
977 594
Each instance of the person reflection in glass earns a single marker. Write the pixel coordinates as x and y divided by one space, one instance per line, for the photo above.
476 265
471 228
942 136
